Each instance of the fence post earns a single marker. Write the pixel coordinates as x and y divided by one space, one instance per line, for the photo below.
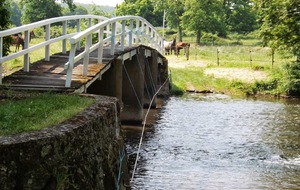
250 57
218 59
273 52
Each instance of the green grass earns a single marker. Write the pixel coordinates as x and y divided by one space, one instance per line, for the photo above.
195 76
39 111
225 55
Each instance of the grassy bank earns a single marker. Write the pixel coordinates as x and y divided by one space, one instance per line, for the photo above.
232 69
37 111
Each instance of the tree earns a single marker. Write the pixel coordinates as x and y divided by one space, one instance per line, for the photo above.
143 8
36 10
79 10
4 24
280 24
97 10
174 11
281 30
203 16
240 16
15 13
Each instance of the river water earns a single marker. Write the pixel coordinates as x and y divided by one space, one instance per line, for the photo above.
218 142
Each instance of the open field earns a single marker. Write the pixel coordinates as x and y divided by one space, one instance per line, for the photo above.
229 69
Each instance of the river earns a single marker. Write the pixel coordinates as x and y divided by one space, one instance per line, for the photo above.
218 142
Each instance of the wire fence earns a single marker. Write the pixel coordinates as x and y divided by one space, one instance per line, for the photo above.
241 56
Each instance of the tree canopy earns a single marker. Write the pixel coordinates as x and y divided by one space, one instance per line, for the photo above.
36 10
203 16
280 23
143 8
4 24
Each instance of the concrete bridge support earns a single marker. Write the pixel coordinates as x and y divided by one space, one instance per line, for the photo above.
151 73
134 81
133 88
110 83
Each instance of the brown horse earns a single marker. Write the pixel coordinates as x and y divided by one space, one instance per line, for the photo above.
185 46
18 40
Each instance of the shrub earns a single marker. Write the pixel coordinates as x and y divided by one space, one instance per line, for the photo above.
293 86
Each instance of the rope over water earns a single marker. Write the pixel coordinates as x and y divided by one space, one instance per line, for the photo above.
143 130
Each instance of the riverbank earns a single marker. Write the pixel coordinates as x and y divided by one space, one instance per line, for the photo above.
202 73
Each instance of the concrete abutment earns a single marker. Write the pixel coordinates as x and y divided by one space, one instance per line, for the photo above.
134 81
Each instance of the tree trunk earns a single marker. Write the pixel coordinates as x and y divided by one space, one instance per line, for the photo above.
198 37
179 33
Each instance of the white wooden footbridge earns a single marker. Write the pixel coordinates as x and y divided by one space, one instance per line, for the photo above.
120 56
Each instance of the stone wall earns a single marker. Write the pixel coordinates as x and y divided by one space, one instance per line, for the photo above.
83 152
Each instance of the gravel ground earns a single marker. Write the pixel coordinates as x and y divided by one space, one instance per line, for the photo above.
242 74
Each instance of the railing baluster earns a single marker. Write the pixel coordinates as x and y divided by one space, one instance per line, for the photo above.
113 39
100 49
123 35
147 35
64 42
137 29
78 30
130 32
143 32
71 65
26 56
47 49
86 58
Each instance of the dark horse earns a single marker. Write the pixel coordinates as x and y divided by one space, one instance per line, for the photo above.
18 39
170 46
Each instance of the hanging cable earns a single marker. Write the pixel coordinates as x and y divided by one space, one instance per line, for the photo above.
150 76
143 130
141 106
149 96
159 78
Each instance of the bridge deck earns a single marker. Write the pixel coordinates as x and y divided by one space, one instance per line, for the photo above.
51 75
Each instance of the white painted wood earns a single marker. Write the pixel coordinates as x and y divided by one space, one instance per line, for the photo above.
139 31
47 49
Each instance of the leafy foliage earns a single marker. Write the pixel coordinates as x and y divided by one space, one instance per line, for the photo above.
280 24
203 16
281 30
16 13
4 24
143 8
240 16
36 10
174 11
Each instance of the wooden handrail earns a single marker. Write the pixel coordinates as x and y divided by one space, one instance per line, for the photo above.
138 31
142 33
46 24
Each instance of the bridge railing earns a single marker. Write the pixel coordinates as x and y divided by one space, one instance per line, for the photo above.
134 30
25 29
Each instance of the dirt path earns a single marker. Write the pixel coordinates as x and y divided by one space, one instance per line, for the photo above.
241 74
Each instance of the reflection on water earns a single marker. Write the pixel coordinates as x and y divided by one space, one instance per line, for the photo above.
217 142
